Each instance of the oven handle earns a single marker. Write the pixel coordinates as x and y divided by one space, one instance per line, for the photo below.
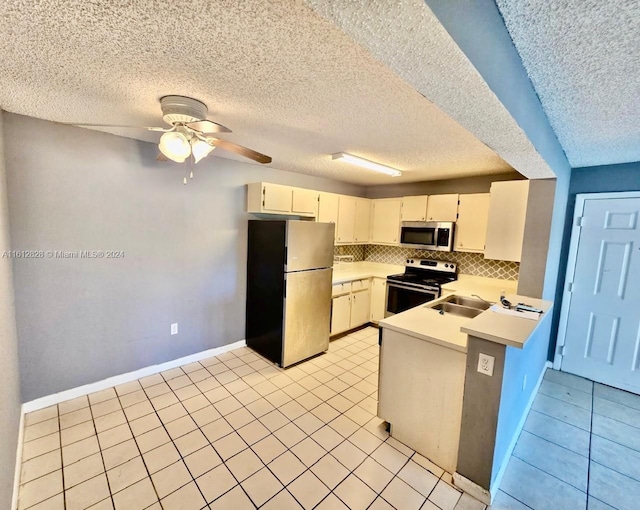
422 290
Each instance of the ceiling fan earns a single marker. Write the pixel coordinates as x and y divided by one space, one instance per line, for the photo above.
191 135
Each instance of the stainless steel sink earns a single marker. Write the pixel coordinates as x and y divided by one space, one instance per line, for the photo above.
468 302
455 309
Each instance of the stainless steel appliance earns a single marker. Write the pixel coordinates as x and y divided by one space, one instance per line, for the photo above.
289 271
427 235
419 284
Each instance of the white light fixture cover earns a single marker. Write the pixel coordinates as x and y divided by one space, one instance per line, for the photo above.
175 146
200 149
365 163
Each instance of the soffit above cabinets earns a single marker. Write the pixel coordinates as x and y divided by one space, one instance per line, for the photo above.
288 80
583 59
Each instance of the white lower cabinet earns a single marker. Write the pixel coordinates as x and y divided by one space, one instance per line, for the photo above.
360 308
378 298
351 305
340 314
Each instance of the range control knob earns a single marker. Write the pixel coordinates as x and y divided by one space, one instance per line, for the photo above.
446 265
408 261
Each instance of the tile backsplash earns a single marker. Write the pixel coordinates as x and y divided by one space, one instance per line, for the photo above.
468 263
357 250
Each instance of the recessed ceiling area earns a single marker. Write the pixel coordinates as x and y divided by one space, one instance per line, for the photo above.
583 60
285 79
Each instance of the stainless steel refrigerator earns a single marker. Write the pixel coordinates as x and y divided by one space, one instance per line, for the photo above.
289 271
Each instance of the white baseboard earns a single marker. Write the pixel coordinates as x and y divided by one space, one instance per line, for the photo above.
514 440
472 488
18 470
56 398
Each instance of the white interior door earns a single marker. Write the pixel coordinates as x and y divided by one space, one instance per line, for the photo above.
601 305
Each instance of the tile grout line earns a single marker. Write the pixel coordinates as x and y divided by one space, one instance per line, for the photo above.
101 456
362 361
593 389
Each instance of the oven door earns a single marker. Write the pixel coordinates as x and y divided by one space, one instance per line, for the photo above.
403 297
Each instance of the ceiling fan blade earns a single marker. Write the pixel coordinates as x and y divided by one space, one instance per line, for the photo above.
148 128
208 126
239 149
161 157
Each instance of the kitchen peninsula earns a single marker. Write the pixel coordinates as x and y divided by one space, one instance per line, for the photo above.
462 413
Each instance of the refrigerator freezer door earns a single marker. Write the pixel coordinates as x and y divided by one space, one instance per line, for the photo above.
309 245
307 315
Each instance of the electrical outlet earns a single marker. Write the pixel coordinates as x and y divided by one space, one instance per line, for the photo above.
485 364
174 328
524 382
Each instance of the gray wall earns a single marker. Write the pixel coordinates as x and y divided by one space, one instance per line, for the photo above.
81 320
9 376
479 184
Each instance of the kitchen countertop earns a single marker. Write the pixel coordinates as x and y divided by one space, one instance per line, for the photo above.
451 331
507 329
487 288
358 270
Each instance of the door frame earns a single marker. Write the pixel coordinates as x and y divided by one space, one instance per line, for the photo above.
578 211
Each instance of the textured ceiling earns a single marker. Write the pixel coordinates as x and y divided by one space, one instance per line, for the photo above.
408 38
583 58
284 78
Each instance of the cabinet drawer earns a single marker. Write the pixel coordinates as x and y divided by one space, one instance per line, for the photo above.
360 285
341 288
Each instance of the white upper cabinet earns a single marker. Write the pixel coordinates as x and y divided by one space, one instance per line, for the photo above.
507 216
346 220
385 224
362 220
471 227
328 207
442 207
267 198
264 197
304 201
414 208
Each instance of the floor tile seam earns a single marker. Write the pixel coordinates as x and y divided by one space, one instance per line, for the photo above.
573 388
104 467
552 475
616 420
637 450
556 444
637 480
560 419
518 500
393 477
565 402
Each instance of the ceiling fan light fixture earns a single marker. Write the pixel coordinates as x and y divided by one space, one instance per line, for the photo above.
365 163
175 146
200 149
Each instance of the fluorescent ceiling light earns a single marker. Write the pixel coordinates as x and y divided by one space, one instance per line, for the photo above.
365 163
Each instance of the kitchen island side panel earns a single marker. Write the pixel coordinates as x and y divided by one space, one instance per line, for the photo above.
480 407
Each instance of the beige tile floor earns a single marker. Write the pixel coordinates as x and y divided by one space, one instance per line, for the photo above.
233 432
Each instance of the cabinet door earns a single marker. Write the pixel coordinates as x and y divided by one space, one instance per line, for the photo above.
276 198
304 201
471 227
346 219
363 220
360 308
328 210
340 313
378 299
507 215
442 207
414 208
386 220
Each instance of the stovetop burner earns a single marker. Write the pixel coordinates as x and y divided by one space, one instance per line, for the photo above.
428 273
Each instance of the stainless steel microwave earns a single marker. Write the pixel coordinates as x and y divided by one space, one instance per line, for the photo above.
427 235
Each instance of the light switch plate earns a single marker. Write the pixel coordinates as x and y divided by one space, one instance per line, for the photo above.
485 364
